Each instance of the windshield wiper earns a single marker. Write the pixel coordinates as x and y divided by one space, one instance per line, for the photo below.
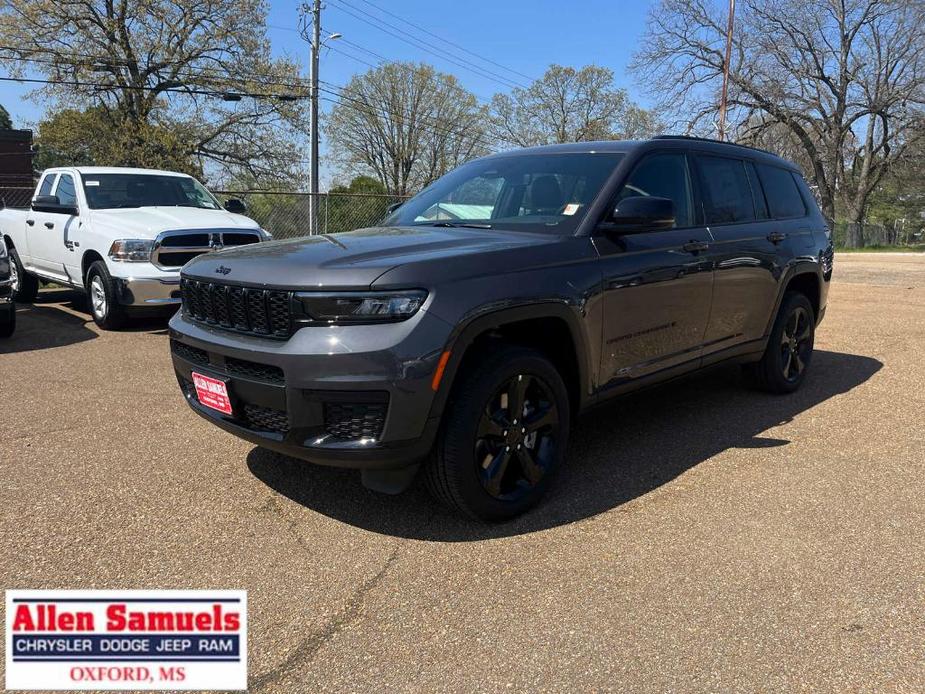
467 225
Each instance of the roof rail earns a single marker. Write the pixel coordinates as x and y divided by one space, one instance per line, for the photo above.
710 139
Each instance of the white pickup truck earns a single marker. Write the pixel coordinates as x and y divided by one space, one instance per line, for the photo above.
120 234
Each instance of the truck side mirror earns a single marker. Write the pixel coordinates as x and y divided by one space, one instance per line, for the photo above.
235 206
51 203
638 214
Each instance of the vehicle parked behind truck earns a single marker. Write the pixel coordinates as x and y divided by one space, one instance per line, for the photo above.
120 234
7 307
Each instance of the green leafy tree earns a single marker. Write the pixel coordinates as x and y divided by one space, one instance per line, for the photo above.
153 73
6 123
88 138
568 105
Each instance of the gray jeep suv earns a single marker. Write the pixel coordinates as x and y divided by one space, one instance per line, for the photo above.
466 332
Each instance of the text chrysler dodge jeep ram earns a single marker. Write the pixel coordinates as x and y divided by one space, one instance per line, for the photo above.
468 330
119 234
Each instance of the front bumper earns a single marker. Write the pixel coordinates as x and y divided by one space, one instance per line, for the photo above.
150 292
347 396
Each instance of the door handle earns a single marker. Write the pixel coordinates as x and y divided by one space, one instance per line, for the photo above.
49 225
30 222
776 236
695 246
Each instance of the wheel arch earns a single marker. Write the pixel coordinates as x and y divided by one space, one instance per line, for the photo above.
551 328
806 277
89 257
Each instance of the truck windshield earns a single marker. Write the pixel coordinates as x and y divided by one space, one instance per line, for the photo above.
109 191
522 192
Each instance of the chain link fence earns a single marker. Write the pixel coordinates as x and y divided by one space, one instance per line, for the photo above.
847 235
15 197
287 215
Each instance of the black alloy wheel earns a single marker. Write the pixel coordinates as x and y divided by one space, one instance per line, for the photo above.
517 438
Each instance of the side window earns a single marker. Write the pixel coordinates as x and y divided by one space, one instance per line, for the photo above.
65 190
761 205
727 197
47 183
663 176
784 199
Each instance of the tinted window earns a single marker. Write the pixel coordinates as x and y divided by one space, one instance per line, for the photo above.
525 192
65 190
781 190
46 184
663 176
761 206
727 197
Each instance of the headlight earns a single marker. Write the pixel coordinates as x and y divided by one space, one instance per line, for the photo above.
131 250
356 307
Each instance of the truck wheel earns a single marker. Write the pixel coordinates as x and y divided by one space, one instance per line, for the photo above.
25 285
108 313
785 363
8 322
504 436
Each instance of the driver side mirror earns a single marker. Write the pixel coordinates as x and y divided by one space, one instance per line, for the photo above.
51 203
639 214
235 206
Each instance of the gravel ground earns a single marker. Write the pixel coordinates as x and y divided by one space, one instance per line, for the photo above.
704 537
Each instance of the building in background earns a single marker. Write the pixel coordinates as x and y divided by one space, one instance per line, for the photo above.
17 178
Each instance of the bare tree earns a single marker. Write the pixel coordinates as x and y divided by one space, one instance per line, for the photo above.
568 105
406 124
843 78
159 66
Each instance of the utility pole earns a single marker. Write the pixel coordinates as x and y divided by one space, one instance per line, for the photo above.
723 97
311 15
315 43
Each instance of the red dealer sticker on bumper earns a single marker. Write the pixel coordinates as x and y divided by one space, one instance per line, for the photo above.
212 393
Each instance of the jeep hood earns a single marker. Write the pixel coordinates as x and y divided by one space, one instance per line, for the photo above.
148 222
351 260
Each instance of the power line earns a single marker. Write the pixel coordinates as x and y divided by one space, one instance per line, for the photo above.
447 41
419 44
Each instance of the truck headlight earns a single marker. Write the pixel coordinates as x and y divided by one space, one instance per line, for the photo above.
131 250
361 307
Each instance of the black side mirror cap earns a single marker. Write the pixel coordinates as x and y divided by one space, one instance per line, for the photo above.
51 203
639 214
235 206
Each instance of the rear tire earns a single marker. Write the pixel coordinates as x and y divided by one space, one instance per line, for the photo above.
103 295
786 359
25 284
8 322
504 435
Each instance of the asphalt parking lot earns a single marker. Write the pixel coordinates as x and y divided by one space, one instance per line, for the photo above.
704 537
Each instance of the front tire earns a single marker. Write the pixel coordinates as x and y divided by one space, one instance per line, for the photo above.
504 436
25 284
786 359
103 294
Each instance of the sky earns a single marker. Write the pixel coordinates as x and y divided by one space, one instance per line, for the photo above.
523 36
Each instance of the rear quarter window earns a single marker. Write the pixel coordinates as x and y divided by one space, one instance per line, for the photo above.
780 189
727 196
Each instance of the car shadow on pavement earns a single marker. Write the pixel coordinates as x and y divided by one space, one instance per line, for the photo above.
44 323
618 453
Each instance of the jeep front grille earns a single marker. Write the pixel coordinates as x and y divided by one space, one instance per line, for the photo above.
173 249
265 312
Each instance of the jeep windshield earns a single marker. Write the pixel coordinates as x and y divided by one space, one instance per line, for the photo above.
522 192
113 191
